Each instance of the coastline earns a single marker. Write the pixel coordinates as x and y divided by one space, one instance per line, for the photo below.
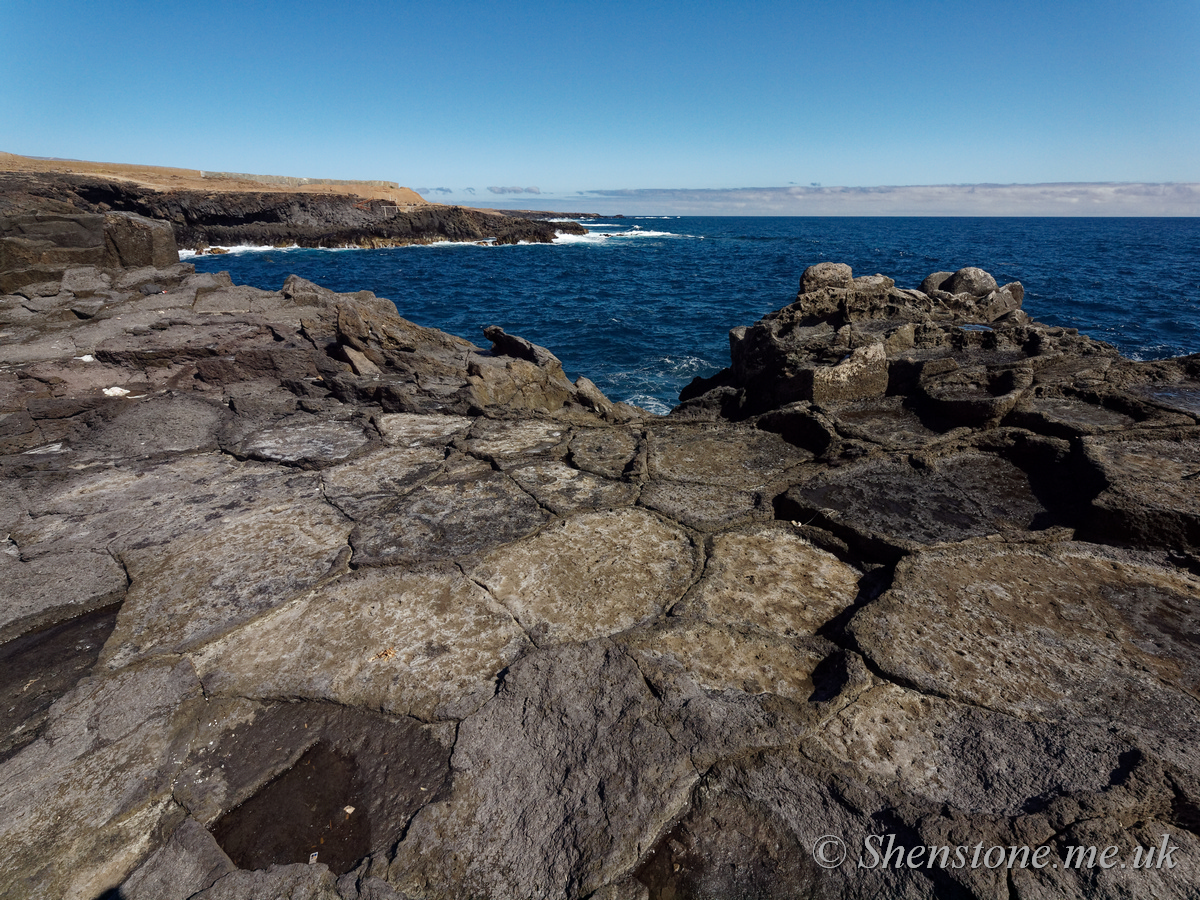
262 210
912 564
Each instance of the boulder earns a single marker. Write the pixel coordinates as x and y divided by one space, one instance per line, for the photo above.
935 282
969 280
826 275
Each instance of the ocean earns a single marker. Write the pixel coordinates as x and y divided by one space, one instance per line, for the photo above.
642 305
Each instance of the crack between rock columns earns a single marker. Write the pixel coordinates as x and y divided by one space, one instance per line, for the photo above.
120 561
699 569
504 606
532 496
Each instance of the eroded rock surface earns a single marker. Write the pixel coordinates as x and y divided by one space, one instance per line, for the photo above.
285 574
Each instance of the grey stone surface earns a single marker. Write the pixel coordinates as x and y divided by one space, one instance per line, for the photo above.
197 589
519 641
468 509
530 815
190 862
970 280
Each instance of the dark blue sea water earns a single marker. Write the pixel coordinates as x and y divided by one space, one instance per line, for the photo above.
642 305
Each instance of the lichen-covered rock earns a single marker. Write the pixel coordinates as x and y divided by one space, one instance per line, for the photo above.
861 375
1073 631
468 509
595 574
422 642
824 275
196 589
769 579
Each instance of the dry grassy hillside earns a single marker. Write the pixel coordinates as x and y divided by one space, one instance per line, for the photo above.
168 179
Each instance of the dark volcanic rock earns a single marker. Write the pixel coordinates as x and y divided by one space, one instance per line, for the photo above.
286 573
900 504
204 218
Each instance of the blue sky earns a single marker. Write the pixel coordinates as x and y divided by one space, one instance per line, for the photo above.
613 96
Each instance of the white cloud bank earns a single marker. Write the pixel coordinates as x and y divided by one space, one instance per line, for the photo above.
1062 199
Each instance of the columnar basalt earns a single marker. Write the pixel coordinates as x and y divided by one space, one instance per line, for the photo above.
286 574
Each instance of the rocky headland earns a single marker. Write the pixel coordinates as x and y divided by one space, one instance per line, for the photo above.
286 574
225 209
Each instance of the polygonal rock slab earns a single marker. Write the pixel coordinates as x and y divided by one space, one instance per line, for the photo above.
554 746
361 486
468 509
595 574
40 666
190 862
413 430
424 642
157 425
770 579
893 505
723 658
885 420
1072 630
303 439
1183 396
53 587
241 298
146 505
1067 417
97 783
977 760
606 451
504 440
705 507
735 457
564 490
199 587
752 829
1152 495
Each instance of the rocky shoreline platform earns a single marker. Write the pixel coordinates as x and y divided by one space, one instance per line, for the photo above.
288 577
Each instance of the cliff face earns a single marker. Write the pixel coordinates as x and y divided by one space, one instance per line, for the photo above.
285 574
213 218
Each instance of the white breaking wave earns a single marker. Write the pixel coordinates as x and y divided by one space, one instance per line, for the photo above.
601 238
238 248
649 404
589 238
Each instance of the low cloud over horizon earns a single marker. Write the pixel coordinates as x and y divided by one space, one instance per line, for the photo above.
1052 199
514 190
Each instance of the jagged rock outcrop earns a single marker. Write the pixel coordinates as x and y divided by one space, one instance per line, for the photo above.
284 573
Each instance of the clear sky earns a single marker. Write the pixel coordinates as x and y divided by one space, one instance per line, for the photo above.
609 95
